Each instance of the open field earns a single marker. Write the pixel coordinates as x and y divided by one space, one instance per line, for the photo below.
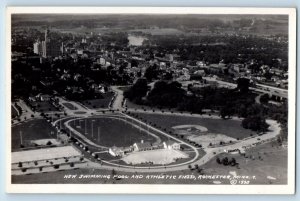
208 138
112 132
263 161
132 105
99 103
70 106
31 130
44 106
231 128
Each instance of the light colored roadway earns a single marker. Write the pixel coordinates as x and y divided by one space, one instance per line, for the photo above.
117 104
265 89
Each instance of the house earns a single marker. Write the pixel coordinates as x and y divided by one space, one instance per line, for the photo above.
43 97
116 151
171 145
199 72
238 67
217 68
142 146
32 99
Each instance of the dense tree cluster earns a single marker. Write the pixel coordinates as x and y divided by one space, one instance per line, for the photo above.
166 94
137 91
151 73
255 123
226 161
229 102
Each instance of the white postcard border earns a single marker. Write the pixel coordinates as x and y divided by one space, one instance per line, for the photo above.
154 188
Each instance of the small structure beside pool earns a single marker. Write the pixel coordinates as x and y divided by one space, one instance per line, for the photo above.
143 146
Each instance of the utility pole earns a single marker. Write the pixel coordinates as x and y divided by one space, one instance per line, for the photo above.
21 137
85 127
98 134
92 128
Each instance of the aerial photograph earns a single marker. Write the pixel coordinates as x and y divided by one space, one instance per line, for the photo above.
149 99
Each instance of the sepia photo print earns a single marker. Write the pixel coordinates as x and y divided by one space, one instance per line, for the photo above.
151 100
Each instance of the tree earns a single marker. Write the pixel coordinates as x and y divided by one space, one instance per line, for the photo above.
225 161
166 94
218 160
243 85
233 162
264 98
255 123
151 73
226 111
137 91
113 172
20 164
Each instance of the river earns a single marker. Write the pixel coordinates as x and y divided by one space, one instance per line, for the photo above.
136 40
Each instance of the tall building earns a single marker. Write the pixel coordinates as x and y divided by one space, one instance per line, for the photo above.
50 47
37 47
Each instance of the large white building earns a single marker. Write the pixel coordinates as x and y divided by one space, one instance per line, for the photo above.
47 47
171 145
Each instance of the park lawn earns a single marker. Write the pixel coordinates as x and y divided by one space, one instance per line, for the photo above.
70 106
132 105
112 132
273 163
32 130
231 128
99 103
44 106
